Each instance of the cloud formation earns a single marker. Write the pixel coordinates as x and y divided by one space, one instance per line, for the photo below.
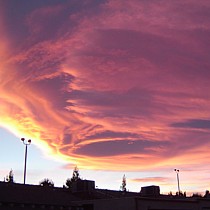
94 80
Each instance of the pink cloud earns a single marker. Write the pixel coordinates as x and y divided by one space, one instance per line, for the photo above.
150 179
91 79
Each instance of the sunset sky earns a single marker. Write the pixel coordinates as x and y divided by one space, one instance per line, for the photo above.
113 86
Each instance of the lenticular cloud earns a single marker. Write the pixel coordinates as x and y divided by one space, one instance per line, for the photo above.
109 84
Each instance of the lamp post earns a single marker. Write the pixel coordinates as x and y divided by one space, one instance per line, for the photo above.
177 175
26 143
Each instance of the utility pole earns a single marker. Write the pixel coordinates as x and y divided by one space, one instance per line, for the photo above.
177 176
26 143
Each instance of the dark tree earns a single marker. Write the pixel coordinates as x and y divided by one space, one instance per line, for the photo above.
198 195
207 194
123 186
46 183
170 193
75 177
10 177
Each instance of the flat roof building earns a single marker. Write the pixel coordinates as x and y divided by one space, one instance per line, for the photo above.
84 196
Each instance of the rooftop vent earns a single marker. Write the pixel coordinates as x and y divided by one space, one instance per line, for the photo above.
83 186
152 191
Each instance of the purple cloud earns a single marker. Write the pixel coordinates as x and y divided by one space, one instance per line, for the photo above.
122 147
193 123
81 75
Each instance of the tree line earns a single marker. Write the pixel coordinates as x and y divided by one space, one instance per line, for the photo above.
69 181
48 182
76 177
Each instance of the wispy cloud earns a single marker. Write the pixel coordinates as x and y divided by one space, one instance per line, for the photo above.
116 80
151 179
193 123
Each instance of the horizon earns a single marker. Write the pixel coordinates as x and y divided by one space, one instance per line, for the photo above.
10 180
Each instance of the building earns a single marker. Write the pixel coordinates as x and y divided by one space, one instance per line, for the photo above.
84 196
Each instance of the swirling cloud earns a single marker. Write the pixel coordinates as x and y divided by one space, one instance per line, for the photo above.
94 80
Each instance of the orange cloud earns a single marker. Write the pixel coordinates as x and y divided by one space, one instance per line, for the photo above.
109 89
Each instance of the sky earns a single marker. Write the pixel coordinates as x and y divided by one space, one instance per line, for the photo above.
115 87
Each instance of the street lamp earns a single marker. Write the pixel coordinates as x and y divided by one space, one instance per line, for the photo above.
26 143
177 175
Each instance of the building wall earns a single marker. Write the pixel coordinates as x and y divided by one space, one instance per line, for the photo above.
204 204
19 206
139 203
163 204
115 204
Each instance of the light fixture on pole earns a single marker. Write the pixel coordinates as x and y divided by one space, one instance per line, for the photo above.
26 143
177 175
